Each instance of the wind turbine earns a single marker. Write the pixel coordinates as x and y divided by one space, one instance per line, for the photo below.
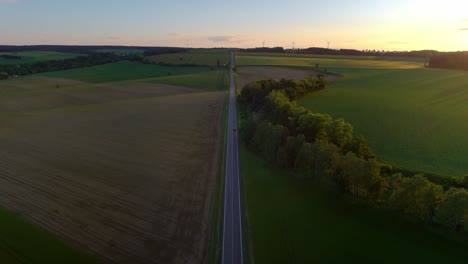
328 44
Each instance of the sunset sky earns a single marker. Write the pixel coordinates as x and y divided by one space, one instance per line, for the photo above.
359 24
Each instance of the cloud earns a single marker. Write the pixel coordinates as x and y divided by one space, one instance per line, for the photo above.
8 1
219 39
173 34
463 28
113 37
231 39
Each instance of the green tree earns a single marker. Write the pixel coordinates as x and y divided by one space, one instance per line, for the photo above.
416 196
293 146
360 147
304 160
326 157
452 211
361 177
340 133
314 126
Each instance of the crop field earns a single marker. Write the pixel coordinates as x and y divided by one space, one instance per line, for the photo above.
196 57
121 71
36 56
210 80
249 74
289 221
124 171
331 63
413 117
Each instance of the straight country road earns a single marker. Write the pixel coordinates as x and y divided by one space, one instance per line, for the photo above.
232 227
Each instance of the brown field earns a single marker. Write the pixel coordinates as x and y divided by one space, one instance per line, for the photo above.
125 172
247 74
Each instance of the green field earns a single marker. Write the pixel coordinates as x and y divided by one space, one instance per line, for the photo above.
21 242
210 80
413 117
129 72
121 71
328 62
36 56
291 221
195 57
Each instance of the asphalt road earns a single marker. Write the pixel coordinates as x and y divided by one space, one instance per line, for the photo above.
232 228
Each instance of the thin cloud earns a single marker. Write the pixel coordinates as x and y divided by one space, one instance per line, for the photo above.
463 28
8 1
219 39
230 39
173 34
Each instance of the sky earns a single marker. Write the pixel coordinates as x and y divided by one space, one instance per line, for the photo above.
356 24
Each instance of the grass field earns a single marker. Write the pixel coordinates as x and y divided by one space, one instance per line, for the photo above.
36 56
195 57
290 221
125 171
413 117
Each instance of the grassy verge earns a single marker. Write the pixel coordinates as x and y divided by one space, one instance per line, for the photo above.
216 234
294 222
21 242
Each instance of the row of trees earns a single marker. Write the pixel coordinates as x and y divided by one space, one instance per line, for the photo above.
324 149
450 60
353 52
95 58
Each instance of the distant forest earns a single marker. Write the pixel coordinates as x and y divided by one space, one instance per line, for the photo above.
353 52
67 48
450 60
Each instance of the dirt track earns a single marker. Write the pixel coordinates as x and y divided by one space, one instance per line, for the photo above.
129 181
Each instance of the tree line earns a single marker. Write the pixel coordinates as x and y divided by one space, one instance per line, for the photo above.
317 146
350 52
450 60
